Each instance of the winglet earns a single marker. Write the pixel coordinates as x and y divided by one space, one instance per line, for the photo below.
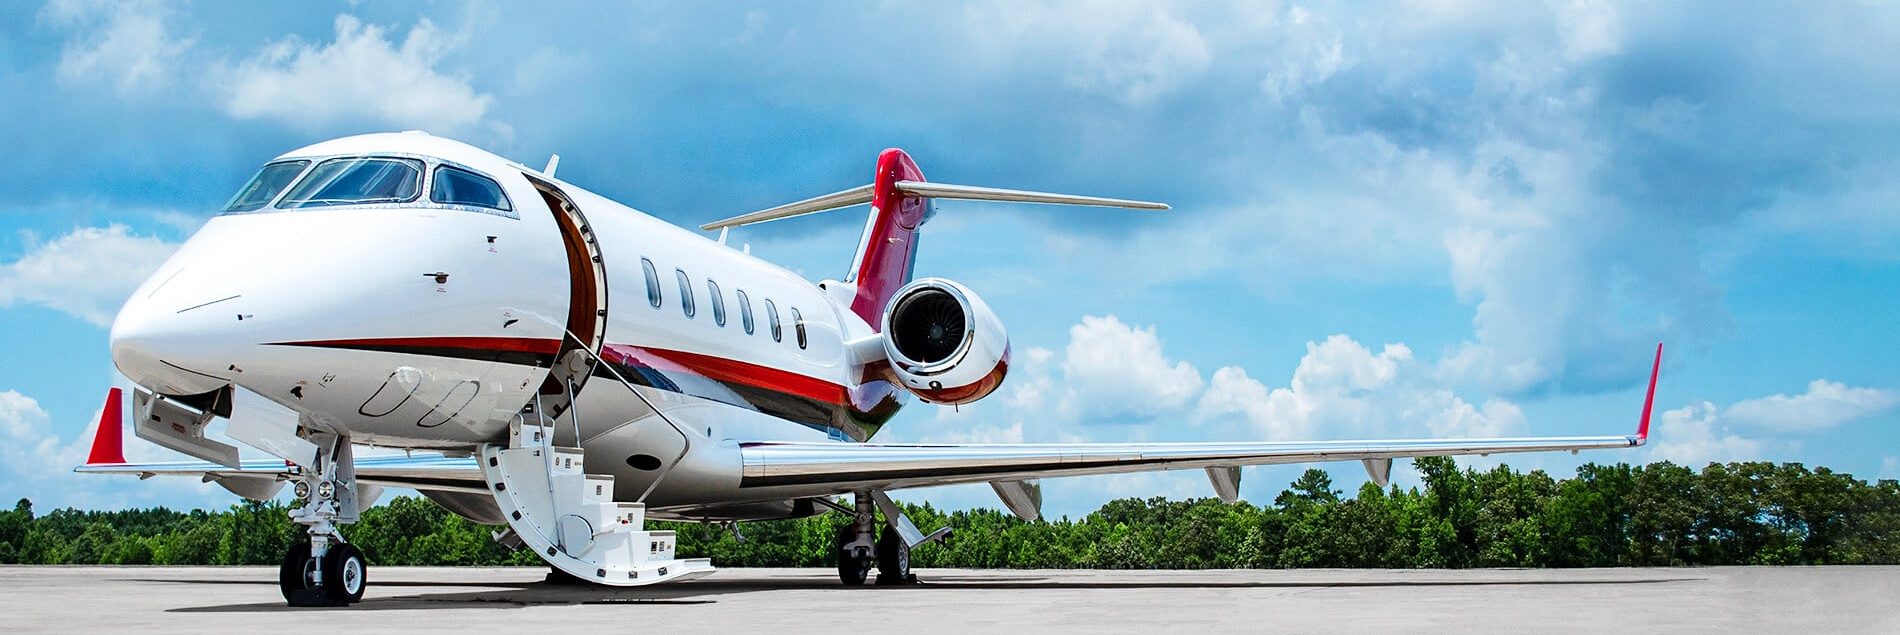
1649 400
108 444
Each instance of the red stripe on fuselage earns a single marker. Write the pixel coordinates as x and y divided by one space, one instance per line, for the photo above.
728 370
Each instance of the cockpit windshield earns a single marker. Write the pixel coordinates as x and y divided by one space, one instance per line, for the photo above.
265 186
356 181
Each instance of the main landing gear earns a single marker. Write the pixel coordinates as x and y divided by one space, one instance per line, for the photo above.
858 552
325 571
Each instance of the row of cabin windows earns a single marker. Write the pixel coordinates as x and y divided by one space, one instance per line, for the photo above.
688 306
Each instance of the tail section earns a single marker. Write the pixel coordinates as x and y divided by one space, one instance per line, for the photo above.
887 252
900 201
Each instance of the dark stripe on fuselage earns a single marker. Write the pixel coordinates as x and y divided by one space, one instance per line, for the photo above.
521 351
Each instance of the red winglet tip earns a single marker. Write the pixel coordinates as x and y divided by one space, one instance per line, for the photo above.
108 444
1649 400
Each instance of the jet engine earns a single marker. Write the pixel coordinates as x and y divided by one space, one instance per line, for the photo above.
944 344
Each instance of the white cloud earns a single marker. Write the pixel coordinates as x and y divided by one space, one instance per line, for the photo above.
1114 370
125 44
1694 436
1826 404
361 76
30 448
36 463
1135 52
1341 388
1890 467
87 273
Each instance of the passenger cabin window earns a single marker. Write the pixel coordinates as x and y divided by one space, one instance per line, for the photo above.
718 302
745 311
456 186
268 183
357 181
798 326
686 291
771 319
653 283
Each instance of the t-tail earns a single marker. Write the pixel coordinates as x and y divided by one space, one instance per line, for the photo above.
900 201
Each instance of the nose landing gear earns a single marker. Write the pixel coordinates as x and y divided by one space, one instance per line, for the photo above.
325 571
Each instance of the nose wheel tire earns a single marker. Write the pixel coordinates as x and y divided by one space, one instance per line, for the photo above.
345 574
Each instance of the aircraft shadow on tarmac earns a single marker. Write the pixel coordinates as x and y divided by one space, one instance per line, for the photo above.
506 594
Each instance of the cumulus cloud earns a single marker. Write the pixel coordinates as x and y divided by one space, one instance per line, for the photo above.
36 463
1115 370
1111 371
29 447
1134 52
1695 435
1342 388
127 45
87 273
1826 404
363 75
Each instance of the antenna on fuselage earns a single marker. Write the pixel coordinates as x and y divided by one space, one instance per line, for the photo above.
554 161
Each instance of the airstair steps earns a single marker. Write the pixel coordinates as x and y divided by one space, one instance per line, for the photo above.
569 517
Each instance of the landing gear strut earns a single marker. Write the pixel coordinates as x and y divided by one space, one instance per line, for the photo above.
856 551
325 571
860 546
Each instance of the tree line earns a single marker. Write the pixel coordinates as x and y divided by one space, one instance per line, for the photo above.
1660 514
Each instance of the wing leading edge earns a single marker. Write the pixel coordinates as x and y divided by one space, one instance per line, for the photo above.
818 468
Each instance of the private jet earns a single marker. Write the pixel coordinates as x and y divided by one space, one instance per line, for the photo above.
534 356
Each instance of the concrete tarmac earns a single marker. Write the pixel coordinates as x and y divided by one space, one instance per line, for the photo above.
481 600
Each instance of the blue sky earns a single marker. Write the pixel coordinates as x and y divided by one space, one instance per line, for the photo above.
1433 218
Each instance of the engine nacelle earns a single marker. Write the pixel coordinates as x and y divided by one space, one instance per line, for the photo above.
944 343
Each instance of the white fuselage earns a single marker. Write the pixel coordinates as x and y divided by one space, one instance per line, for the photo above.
427 325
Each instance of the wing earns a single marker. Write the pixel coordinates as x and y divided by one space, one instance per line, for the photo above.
825 468
839 468
421 471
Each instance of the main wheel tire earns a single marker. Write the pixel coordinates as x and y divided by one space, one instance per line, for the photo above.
295 577
345 574
893 558
852 570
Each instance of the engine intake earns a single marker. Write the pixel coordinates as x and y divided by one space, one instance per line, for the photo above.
944 344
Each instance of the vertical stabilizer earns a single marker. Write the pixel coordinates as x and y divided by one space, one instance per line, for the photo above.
888 249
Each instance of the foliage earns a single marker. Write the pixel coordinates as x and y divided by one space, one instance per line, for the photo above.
1607 515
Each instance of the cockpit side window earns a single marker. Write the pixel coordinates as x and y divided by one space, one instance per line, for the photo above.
456 186
268 183
357 181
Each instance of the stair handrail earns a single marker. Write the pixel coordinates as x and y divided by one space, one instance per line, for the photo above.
686 441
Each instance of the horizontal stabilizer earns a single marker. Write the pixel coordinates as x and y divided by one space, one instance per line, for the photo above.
863 194
973 193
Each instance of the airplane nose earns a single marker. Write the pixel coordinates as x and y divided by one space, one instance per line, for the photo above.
177 350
